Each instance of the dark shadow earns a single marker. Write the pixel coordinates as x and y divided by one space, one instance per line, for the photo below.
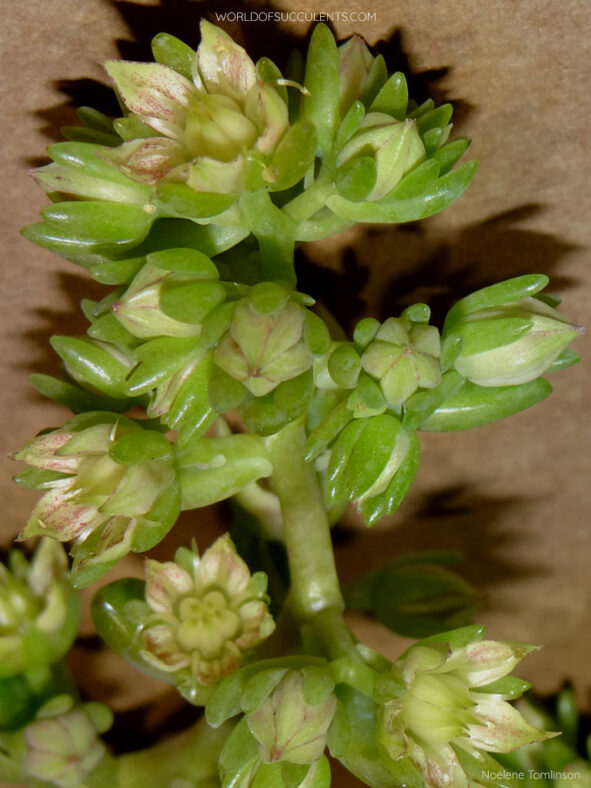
412 264
444 520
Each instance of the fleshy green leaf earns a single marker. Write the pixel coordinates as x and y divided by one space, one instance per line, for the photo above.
321 106
475 406
293 156
356 178
171 51
71 396
393 97
89 363
177 200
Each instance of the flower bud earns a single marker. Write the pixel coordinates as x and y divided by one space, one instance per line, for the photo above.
63 749
165 302
355 62
206 612
395 146
404 357
450 697
266 342
290 728
38 609
511 343
110 486
200 131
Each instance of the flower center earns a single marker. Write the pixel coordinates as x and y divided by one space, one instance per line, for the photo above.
206 624
217 127
437 708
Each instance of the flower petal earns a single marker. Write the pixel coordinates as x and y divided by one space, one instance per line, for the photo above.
209 175
268 112
41 452
155 92
161 649
146 160
61 518
503 728
224 66
221 566
164 583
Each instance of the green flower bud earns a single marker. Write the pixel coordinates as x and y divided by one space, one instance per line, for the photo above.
509 344
394 146
63 749
365 459
288 727
355 63
404 357
200 131
39 610
171 300
267 341
110 486
207 612
454 697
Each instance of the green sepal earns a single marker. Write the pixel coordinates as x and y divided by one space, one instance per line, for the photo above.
225 392
118 628
356 178
422 404
177 200
191 302
365 331
316 334
93 119
96 225
159 359
336 489
396 492
327 431
259 687
510 687
393 97
192 414
321 105
416 182
454 638
88 135
449 154
478 769
339 732
478 336
225 701
38 478
158 521
83 156
362 757
238 757
414 111
489 297
434 139
117 272
475 406
71 396
88 363
567 358
443 192
293 156
131 128
436 118
265 415
344 365
349 125
171 51
370 394
141 446
211 469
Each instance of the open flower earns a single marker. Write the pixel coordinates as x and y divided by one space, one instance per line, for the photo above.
110 486
455 698
207 612
199 132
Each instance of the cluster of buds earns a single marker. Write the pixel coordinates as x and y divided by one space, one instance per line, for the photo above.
271 338
444 702
62 746
285 729
38 609
200 127
205 613
111 487
504 336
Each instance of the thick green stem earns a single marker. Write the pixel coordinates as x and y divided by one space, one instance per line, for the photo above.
314 583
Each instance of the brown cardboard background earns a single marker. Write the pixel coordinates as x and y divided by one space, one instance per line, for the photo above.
514 496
